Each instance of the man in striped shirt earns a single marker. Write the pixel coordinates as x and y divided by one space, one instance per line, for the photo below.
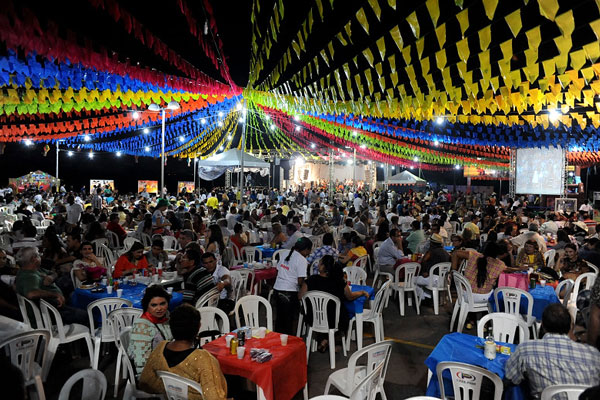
197 280
554 359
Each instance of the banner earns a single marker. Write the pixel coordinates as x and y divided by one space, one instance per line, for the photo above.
189 186
101 184
148 187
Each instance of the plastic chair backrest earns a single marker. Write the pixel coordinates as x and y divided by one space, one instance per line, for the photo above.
24 305
567 285
589 278
512 300
170 242
467 379
113 239
52 320
572 391
93 388
105 307
381 296
235 255
504 327
463 289
250 309
319 303
209 299
97 243
377 354
108 255
376 254
592 267
443 269
280 255
209 320
177 387
361 262
411 272
237 283
368 387
462 267
25 349
122 319
146 239
549 257
47 222
250 253
129 241
356 275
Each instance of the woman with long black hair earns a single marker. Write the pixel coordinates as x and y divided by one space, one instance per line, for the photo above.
291 272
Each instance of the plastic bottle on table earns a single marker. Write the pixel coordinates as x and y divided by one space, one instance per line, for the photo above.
489 347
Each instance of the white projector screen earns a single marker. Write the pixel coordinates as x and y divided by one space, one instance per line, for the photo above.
539 171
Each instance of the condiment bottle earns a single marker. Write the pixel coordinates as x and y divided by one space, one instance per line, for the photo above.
489 348
233 345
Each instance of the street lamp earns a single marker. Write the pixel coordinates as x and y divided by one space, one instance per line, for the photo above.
173 105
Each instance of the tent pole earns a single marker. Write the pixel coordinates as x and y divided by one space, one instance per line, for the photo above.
243 146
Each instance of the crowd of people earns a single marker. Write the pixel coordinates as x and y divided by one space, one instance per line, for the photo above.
323 231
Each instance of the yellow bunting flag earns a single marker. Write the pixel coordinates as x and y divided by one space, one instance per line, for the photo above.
595 25
463 20
406 55
376 9
414 24
381 47
514 22
392 3
592 51
340 37
565 22
548 8
506 48
463 49
434 10
534 38
440 59
549 66
395 34
577 59
362 20
490 8
348 30
440 32
392 62
369 56
420 45
320 8
485 37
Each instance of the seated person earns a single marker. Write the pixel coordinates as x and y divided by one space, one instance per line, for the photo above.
131 262
184 357
555 359
435 254
196 279
151 328
321 227
416 237
221 280
6 266
530 257
114 226
358 250
157 254
238 239
324 250
88 267
278 236
571 265
390 252
345 244
293 234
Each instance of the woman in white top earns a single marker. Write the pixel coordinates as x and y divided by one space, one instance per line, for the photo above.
291 272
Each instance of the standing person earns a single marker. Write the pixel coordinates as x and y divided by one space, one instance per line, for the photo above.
159 222
291 272
152 327
74 211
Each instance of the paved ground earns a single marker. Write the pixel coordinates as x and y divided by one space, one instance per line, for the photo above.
414 337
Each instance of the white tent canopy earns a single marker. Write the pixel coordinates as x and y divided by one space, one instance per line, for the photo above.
406 178
233 158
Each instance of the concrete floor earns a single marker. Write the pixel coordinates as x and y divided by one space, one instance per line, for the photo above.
414 337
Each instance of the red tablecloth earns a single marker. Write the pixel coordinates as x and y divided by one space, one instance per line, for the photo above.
260 274
280 378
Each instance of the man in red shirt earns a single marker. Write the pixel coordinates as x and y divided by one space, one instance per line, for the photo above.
114 226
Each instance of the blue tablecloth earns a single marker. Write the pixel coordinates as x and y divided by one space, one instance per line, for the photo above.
266 253
542 297
82 297
357 305
460 347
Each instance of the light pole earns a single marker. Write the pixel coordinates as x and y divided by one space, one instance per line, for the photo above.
354 170
57 179
173 105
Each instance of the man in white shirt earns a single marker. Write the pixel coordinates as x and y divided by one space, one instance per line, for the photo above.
357 203
293 236
74 211
586 207
390 252
533 234
222 281
549 226
232 218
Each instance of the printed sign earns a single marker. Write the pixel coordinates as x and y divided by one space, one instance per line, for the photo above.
148 186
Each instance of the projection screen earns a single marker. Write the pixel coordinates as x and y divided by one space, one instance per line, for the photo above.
540 171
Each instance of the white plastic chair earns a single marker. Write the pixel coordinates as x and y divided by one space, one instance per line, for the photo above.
464 302
146 239
129 241
209 299
320 322
113 240
177 387
411 272
213 319
170 242
465 389
356 275
121 319
107 255
247 276
249 306
62 334
549 257
572 391
131 390
93 387
24 304
592 267
589 278
373 315
423 398
361 262
24 351
237 283
504 327
97 242
104 333
512 302
438 282
347 379
280 255
567 285
368 388
47 222
250 253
